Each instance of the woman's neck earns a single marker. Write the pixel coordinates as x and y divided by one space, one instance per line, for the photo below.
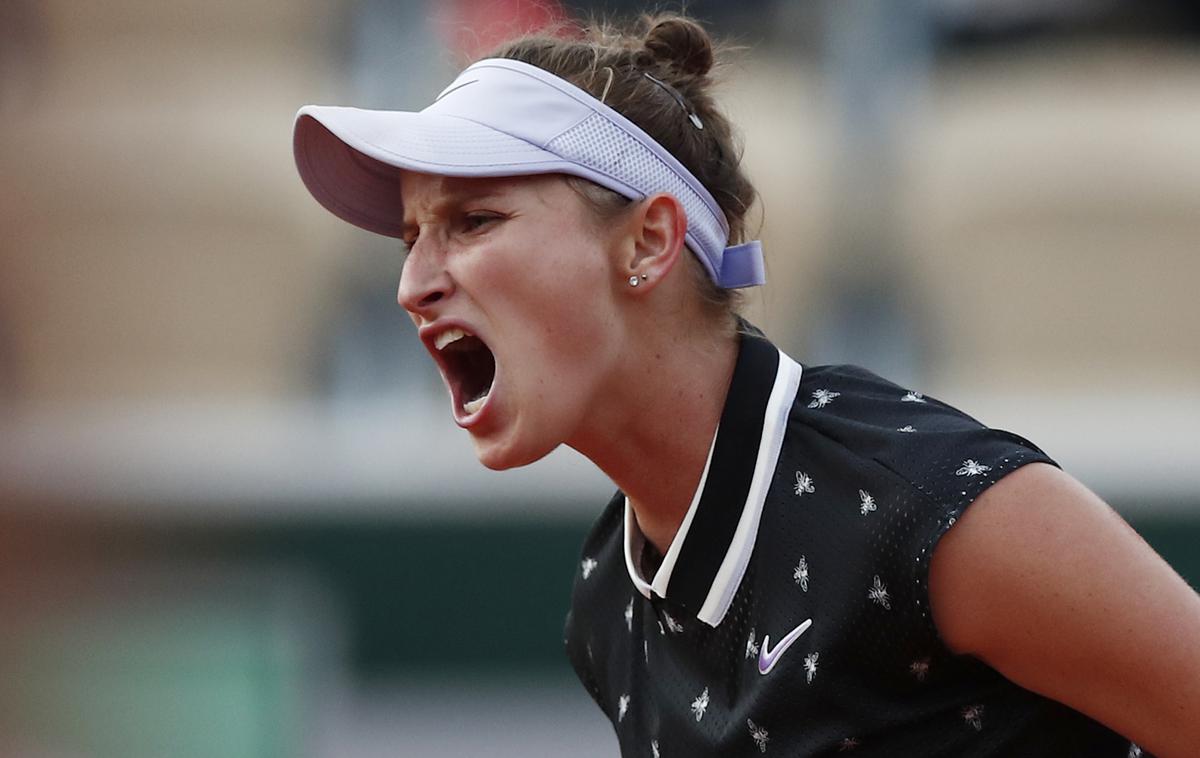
656 429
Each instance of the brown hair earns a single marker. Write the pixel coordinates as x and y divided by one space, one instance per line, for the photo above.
656 74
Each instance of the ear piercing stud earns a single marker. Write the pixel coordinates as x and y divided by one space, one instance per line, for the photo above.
636 280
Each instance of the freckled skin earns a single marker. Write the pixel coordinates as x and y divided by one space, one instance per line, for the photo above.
632 378
536 283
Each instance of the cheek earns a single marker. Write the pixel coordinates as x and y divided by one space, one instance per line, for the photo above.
575 354
564 343
561 278
579 311
552 298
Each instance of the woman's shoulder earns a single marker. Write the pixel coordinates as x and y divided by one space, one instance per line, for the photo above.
932 446
850 391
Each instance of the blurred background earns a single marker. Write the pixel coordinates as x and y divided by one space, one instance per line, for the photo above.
236 518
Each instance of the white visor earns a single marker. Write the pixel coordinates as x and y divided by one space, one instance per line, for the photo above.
504 118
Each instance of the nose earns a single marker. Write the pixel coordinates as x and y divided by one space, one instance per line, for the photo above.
424 280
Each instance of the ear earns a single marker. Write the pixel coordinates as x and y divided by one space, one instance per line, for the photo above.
657 237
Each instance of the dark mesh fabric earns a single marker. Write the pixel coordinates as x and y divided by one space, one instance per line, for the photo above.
852 516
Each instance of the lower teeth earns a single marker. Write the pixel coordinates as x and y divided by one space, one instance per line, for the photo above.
474 405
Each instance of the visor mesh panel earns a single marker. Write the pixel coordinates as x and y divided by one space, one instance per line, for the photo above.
602 146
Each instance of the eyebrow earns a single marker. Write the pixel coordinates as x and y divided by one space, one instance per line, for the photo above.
459 196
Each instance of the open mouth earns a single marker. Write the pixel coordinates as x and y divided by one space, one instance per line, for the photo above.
469 366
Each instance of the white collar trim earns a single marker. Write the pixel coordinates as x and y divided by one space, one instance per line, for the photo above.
635 541
737 557
733 567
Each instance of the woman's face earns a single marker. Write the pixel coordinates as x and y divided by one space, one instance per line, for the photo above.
512 286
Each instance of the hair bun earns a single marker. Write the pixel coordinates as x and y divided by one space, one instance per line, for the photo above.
681 44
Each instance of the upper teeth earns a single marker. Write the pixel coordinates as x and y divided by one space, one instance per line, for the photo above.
452 334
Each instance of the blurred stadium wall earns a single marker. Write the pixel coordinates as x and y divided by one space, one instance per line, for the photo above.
235 518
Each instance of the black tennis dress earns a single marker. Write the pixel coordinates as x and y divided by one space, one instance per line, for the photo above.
790 615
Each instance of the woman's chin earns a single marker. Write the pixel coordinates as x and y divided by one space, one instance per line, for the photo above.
501 455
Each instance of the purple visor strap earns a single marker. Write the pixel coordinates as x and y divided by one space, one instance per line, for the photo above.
742 266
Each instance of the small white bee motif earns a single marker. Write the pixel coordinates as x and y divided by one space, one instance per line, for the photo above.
1134 751
971 468
810 666
913 397
622 706
847 744
672 624
751 646
822 398
919 669
654 748
801 573
629 615
973 715
700 705
759 735
879 594
587 566
906 428
804 483
868 503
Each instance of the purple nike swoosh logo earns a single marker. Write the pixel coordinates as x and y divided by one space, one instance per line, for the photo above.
767 658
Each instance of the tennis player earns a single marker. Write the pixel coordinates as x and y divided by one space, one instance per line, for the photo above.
800 560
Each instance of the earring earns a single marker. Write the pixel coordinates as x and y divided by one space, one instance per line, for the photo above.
634 281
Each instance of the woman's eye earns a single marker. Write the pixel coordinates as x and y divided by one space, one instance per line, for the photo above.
476 221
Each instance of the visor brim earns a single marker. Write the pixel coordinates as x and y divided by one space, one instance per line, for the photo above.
350 159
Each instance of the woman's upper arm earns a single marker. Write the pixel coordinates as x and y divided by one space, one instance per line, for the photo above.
1048 585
